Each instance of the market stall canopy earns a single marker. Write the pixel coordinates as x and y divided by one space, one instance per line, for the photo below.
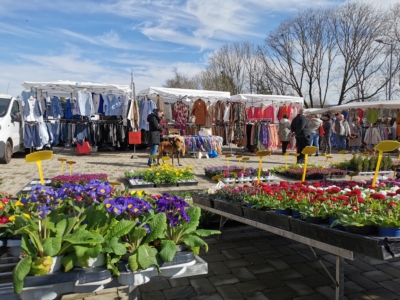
74 87
174 95
372 104
258 100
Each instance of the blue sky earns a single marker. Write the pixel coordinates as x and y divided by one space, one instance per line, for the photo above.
101 41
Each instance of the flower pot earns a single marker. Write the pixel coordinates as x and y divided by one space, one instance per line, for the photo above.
180 248
331 220
362 230
246 178
56 264
389 231
165 184
228 207
99 261
315 220
285 212
202 200
225 180
15 247
295 214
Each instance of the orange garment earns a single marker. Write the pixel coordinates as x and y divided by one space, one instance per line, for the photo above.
273 137
199 110
282 111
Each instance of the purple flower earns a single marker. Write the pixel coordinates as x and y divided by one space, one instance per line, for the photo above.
43 211
109 204
174 221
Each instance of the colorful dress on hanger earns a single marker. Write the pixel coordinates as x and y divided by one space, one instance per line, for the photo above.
180 115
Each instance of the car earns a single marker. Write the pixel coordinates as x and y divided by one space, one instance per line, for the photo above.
11 127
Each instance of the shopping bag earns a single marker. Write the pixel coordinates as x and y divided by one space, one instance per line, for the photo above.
321 130
83 149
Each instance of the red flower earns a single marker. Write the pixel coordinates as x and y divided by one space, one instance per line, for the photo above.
299 184
378 196
335 189
316 184
357 192
391 204
350 194
343 198
4 220
5 201
246 186
391 194
361 200
79 199
352 184
370 187
322 198
354 208
345 203
305 182
398 191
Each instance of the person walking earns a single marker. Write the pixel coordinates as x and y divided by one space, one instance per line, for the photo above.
284 132
326 138
154 136
355 135
314 123
342 130
301 132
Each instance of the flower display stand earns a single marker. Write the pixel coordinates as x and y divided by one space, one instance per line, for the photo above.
187 182
135 183
202 199
228 207
27 188
267 217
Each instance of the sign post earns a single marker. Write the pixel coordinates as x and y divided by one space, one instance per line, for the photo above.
384 146
309 150
261 154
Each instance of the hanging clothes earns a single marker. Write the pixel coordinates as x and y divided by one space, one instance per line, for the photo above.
146 109
96 102
56 108
160 102
180 115
32 112
372 115
219 111
85 103
254 113
200 112
167 112
209 117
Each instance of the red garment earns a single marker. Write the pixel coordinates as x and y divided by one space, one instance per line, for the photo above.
360 113
269 113
254 113
282 111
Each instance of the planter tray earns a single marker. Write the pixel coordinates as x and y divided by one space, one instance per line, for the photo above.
228 207
188 183
76 281
203 201
196 267
135 184
164 185
371 173
373 246
268 217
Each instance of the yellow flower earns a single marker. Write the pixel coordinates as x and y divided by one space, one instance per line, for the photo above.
158 174
19 203
27 216
139 193
11 219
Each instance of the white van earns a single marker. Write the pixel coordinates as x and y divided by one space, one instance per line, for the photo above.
11 127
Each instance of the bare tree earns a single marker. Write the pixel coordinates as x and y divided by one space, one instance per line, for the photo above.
181 81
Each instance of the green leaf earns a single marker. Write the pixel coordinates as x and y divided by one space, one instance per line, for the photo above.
158 225
80 250
51 246
20 271
196 250
93 252
194 241
113 246
95 217
194 214
64 226
33 235
82 236
204 232
121 228
111 264
68 261
168 250
27 246
137 235
133 261
147 256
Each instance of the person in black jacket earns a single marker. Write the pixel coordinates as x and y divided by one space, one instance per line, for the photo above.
302 132
154 136
327 126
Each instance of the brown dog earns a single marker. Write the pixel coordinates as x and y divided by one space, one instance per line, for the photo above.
173 146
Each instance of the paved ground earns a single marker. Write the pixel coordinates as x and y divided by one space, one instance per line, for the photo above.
245 263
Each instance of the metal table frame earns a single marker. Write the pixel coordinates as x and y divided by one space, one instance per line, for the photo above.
340 253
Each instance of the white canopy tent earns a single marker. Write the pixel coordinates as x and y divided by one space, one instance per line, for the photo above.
173 95
74 87
258 100
353 105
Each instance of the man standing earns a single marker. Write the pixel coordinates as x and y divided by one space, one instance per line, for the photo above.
154 136
342 130
327 125
301 131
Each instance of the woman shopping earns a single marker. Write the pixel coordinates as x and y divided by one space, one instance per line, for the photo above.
284 132
355 135
314 123
154 132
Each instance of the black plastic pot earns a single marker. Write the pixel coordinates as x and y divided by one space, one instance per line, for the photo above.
188 183
315 220
268 217
164 184
363 230
228 207
202 200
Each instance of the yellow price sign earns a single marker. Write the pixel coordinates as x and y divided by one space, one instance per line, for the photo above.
217 177
328 156
114 183
70 163
38 157
286 156
245 159
228 156
62 160
309 150
261 154
384 146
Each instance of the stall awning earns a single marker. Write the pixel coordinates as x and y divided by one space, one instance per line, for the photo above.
372 104
258 100
74 87
174 95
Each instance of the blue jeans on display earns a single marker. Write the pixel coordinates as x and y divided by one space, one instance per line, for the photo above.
341 142
355 148
153 151
32 135
55 133
314 141
82 132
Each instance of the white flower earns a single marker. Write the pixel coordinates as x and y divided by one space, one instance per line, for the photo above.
346 190
362 195
383 193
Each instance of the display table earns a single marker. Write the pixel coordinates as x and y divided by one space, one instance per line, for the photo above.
341 244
